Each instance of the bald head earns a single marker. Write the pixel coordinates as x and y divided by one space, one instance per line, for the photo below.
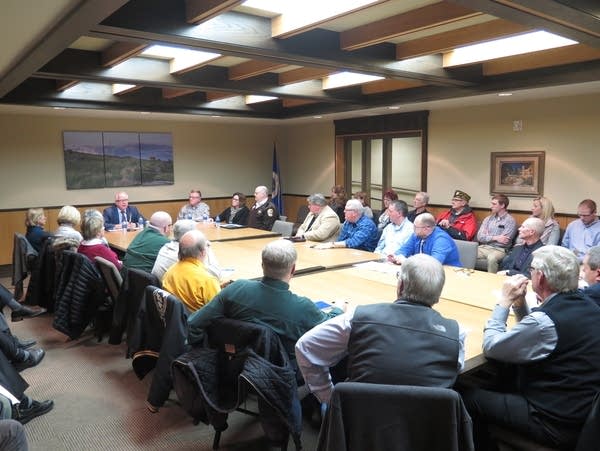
192 245
161 220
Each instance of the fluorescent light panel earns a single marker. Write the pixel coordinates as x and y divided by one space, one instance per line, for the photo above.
257 99
179 59
347 79
121 88
515 45
300 13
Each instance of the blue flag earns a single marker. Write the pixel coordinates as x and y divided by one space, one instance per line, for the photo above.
276 184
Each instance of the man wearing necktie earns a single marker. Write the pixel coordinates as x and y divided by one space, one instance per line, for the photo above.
120 212
322 222
428 239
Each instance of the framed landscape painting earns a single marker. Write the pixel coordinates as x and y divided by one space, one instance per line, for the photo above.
517 173
111 159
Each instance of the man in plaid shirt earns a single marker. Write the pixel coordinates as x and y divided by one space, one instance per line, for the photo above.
496 234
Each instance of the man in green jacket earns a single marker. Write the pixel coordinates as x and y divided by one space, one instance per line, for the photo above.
144 248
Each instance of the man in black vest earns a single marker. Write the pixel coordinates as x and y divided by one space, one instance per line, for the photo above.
364 335
554 351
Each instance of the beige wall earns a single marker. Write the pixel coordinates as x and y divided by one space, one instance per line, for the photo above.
567 129
218 159
222 158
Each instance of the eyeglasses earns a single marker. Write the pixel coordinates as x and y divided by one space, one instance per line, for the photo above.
194 197
122 200
531 269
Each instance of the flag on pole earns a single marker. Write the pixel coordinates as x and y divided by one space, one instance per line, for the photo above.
276 183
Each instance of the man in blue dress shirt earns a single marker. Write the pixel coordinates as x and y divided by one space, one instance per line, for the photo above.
431 240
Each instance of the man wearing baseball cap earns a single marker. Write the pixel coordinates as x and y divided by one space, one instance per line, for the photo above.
459 221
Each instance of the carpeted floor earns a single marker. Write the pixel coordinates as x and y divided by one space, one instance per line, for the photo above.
99 402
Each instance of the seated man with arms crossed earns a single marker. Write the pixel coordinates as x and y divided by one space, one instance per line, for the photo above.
268 301
321 223
496 234
554 351
519 258
363 334
144 248
188 279
428 239
358 231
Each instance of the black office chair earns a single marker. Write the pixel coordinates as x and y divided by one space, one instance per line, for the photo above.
236 358
363 416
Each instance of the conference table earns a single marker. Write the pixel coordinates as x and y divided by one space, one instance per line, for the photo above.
120 240
241 259
354 286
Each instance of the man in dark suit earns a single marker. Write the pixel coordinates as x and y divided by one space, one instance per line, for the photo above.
120 212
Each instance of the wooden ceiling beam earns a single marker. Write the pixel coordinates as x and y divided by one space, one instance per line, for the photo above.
290 103
409 22
119 52
197 11
252 68
218 95
577 53
378 86
443 42
171 93
302 74
63 85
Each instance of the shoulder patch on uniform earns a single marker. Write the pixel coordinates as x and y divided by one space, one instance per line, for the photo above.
270 212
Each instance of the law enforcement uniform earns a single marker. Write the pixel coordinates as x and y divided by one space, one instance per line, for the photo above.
263 216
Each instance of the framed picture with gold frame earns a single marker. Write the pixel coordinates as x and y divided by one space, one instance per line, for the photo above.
517 173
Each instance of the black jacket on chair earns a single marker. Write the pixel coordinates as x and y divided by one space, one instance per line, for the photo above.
79 294
211 380
363 416
163 335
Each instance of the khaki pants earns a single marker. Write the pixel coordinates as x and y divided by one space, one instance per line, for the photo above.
490 254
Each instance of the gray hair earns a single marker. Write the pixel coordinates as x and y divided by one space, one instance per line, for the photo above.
400 206
425 219
317 199
92 225
278 257
535 224
559 265
192 244
181 227
424 195
262 189
422 278
355 204
593 255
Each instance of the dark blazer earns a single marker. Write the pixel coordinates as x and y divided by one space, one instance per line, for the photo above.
241 217
112 217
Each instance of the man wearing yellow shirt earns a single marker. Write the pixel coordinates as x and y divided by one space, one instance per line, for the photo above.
188 279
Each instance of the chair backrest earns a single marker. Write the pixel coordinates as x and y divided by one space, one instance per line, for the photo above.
283 227
467 250
303 211
410 417
23 261
111 277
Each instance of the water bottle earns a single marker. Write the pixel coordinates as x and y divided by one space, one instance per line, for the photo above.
217 221
189 215
124 226
205 218
141 223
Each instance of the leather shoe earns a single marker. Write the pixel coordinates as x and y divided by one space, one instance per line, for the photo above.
26 343
27 312
37 408
35 356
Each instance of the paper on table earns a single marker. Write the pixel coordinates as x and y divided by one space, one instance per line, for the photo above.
383 267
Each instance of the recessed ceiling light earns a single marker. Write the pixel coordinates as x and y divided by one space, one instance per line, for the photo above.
317 117
145 112
504 94
215 115
393 107
58 108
